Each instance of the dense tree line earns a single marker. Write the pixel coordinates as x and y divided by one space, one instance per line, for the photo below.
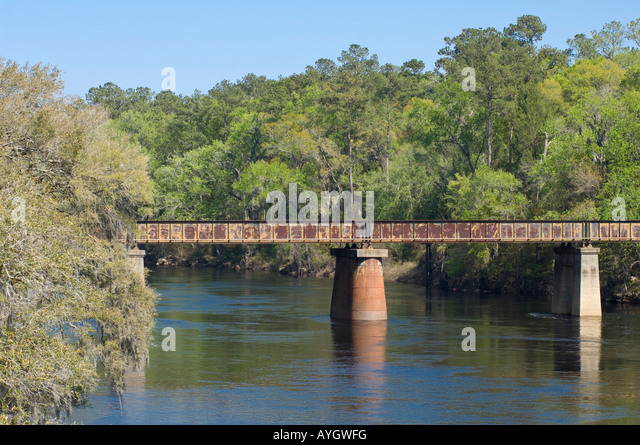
501 128
70 188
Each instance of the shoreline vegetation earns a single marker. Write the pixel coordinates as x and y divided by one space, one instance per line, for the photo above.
314 261
70 303
502 128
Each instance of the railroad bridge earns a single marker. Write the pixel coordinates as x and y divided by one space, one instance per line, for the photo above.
358 287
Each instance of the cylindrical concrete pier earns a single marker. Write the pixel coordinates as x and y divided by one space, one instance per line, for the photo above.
358 285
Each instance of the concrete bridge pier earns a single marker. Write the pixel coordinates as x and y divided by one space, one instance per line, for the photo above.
135 257
576 283
358 284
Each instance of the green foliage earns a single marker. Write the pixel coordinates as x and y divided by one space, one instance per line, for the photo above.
487 194
69 189
546 133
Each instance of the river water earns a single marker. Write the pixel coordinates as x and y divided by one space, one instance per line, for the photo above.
260 348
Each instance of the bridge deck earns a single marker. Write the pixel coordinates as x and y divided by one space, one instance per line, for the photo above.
261 232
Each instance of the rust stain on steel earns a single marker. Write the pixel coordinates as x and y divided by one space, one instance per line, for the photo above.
152 232
506 231
376 234
407 231
356 231
625 232
142 232
164 232
464 231
492 231
220 232
251 232
435 231
615 232
578 231
205 232
478 231
190 232
266 232
420 231
396 231
346 232
335 232
310 232
296 232
387 231
534 231
281 232
236 232
324 232
176 232
449 231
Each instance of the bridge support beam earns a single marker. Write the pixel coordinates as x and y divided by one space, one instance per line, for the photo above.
358 285
135 257
586 283
576 287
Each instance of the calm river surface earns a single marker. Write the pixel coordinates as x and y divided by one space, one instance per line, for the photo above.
260 348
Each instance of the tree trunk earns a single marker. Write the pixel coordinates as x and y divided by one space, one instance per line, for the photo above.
489 139
511 145
546 146
350 166
388 139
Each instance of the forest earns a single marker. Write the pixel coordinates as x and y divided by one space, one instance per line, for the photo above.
71 308
501 128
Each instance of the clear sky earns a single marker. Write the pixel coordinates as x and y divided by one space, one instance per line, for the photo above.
130 42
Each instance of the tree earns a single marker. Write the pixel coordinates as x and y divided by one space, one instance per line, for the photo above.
413 67
501 65
609 40
487 194
346 99
527 31
633 32
582 47
109 95
69 299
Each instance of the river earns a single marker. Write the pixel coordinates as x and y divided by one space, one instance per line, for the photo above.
260 348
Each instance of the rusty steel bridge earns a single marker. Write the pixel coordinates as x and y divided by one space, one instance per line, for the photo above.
424 232
358 292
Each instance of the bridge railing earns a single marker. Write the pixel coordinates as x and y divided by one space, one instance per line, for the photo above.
262 232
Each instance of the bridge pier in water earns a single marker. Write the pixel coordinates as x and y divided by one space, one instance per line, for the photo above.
576 282
358 285
135 257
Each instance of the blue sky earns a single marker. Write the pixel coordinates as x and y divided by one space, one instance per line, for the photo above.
130 42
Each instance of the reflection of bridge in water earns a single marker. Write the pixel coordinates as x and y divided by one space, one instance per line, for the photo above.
358 292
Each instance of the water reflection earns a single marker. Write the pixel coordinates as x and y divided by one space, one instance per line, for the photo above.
590 348
261 348
577 356
359 349
577 346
